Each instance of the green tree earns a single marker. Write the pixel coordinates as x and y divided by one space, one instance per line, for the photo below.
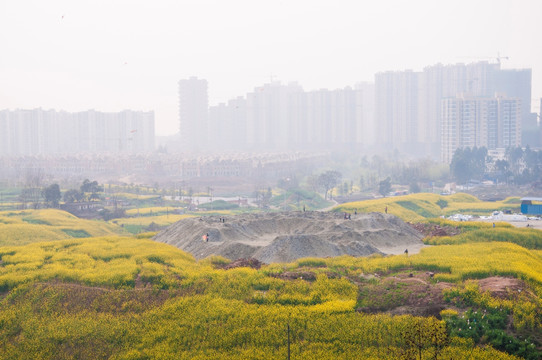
73 195
502 169
384 187
91 187
414 187
468 164
329 180
515 159
52 195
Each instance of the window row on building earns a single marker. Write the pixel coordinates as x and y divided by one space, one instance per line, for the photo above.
475 121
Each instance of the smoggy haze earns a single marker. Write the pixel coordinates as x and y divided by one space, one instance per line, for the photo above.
115 55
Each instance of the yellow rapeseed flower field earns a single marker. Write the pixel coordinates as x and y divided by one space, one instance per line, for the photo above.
150 210
26 226
417 207
160 220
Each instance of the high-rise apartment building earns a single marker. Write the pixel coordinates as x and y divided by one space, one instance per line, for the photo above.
365 114
435 83
227 125
516 83
284 117
193 114
396 105
269 123
50 132
408 104
478 121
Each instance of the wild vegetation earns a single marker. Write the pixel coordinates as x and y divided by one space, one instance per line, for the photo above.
94 294
417 207
26 226
123 298
518 167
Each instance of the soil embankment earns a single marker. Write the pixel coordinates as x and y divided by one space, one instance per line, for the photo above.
288 236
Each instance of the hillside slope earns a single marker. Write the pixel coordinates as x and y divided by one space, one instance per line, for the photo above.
417 207
28 226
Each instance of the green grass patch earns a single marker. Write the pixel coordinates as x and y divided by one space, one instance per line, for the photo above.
134 229
76 233
36 221
416 208
528 238
219 205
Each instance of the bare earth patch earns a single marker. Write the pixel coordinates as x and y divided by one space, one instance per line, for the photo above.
408 292
502 287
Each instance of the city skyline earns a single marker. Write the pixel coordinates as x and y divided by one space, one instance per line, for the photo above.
402 111
31 132
130 54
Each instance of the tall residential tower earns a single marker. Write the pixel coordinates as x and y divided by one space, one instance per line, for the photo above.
193 114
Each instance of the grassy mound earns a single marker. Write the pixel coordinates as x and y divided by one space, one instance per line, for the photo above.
28 226
219 205
416 207
297 198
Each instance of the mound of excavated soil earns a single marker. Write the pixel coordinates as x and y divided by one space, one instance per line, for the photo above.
287 236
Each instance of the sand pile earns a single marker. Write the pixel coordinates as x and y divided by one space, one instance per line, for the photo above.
287 236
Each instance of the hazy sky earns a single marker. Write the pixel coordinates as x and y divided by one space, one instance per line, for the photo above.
114 55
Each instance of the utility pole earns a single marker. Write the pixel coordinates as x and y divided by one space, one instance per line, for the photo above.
288 341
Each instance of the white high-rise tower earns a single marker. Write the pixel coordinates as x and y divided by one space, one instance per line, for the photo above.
193 114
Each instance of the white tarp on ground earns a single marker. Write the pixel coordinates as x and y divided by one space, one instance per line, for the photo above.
500 216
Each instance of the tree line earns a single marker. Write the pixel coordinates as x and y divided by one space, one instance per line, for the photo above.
51 195
519 166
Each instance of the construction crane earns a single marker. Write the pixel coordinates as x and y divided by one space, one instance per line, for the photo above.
498 58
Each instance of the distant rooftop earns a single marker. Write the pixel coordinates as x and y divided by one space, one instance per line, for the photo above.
531 199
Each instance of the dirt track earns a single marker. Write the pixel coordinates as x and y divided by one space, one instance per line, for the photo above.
534 224
287 236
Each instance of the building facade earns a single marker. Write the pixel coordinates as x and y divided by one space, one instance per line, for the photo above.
285 117
408 104
193 114
50 132
469 121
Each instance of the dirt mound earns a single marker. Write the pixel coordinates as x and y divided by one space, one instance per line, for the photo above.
502 287
251 263
428 229
406 293
287 236
294 275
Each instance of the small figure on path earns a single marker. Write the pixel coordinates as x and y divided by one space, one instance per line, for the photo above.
386 210
406 252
